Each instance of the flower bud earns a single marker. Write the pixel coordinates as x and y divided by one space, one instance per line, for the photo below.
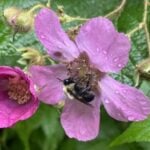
31 56
11 14
24 21
19 20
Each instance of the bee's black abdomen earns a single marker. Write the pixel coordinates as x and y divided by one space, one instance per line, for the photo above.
78 90
84 92
88 97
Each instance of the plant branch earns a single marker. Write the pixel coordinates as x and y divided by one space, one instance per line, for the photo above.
36 7
117 10
109 15
48 3
145 24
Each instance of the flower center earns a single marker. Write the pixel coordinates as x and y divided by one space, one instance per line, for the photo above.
18 90
81 70
82 83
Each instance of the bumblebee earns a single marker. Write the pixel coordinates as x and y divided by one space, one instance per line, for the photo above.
80 91
82 81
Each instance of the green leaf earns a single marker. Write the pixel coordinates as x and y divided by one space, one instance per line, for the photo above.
46 120
130 17
88 9
137 132
145 86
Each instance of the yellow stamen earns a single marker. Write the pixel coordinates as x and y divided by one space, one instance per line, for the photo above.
18 90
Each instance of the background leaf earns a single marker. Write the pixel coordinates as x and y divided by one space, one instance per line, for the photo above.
137 132
43 131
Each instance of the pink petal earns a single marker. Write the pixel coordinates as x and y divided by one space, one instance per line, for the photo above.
107 48
52 36
80 121
123 102
6 70
11 112
47 80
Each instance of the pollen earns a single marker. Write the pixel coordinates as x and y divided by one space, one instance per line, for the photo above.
18 90
81 70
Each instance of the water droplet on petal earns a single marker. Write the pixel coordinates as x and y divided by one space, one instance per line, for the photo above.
119 65
42 37
106 101
116 59
143 102
119 114
87 28
117 92
130 118
105 52
124 91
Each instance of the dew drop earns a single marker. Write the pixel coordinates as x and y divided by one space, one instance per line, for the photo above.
130 118
87 28
106 101
143 102
42 37
124 91
119 114
105 52
119 65
116 59
117 92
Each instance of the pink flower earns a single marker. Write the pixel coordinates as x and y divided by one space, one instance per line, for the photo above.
97 49
17 96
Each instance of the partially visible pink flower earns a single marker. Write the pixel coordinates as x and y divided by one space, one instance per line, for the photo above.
17 96
105 50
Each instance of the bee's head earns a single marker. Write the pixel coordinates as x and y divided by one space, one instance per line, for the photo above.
68 81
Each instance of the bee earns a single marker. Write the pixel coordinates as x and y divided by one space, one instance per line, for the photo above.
82 81
76 89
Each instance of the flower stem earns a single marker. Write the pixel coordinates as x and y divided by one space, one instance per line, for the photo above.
117 10
145 24
109 15
36 7
48 3
140 26
78 19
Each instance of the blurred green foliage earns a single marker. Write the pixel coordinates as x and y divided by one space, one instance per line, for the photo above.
43 131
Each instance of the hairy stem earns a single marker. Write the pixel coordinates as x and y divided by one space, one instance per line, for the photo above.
36 7
48 3
145 24
117 10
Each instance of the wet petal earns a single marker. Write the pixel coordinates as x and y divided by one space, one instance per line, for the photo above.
6 70
46 78
52 36
107 48
123 102
80 121
11 112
